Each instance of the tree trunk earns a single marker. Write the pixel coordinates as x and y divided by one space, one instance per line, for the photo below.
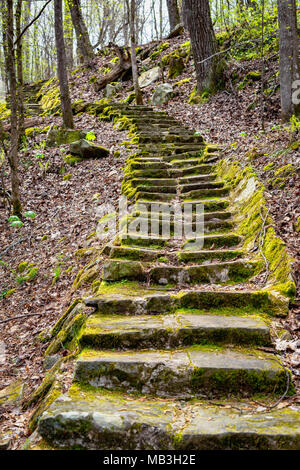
198 21
289 68
83 41
137 90
69 38
8 24
20 69
62 66
173 11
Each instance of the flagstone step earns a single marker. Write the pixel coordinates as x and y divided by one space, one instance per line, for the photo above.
213 273
209 205
89 418
166 224
169 172
205 193
141 302
186 188
196 371
172 331
143 254
209 255
197 243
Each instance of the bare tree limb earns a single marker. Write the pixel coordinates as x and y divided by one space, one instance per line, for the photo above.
31 22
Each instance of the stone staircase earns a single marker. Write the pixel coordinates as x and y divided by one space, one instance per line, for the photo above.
173 355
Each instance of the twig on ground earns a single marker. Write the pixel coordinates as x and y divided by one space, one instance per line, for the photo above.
20 316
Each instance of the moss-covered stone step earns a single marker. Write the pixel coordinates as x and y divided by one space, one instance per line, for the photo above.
89 418
213 273
192 179
176 139
197 371
138 301
186 188
135 253
223 240
209 241
169 172
162 212
171 331
209 255
163 223
154 182
154 189
151 196
209 205
144 254
206 193
144 240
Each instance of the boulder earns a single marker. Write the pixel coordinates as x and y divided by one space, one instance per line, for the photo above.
58 137
148 77
86 149
112 88
162 94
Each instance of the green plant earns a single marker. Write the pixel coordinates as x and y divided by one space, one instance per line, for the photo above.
90 136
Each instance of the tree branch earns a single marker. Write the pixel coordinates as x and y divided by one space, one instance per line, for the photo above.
31 22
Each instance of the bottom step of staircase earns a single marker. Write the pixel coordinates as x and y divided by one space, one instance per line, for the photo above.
87 418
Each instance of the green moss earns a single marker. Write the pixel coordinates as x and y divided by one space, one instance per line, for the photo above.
269 166
286 170
182 82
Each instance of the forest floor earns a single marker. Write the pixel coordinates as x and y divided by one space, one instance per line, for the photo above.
67 212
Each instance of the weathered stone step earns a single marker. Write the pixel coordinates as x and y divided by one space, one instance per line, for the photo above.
143 254
214 241
89 418
191 372
154 189
163 212
150 196
207 241
209 255
209 205
205 193
185 188
171 331
139 239
201 179
177 139
164 224
154 182
196 178
140 302
135 253
163 170
213 273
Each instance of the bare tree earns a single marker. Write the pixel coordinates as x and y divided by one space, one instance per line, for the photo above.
62 66
289 68
198 21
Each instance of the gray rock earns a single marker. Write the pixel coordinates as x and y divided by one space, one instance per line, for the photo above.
50 361
162 94
58 137
148 77
86 149
112 88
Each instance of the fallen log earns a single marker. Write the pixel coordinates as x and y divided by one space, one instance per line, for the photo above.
34 122
119 71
